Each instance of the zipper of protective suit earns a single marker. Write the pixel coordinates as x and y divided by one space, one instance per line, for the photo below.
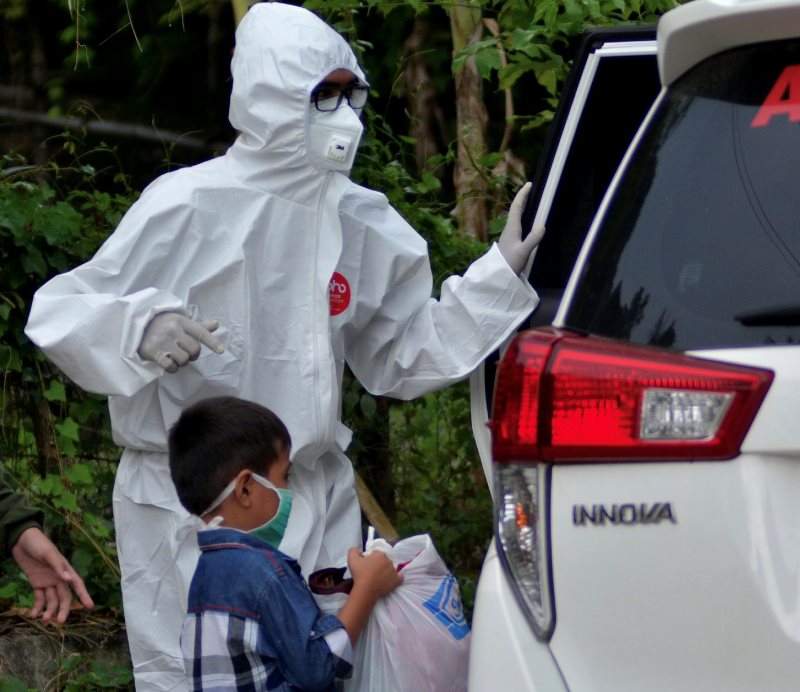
315 323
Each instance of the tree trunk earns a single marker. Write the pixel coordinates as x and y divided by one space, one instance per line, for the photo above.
427 127
42 423
239 10
471 119
510 166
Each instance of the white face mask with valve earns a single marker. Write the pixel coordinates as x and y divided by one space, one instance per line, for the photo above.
333 137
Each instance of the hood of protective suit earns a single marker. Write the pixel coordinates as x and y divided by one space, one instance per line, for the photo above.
282 52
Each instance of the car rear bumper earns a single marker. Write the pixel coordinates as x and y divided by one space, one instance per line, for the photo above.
504 653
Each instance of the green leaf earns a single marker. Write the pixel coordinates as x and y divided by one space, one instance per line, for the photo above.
81 559
548 79
79 474
67 500
511 73
57 223
51 485
33 262
458 62
87 409
524 40
486 61
101 528
546 13
9 683
71 662
10 590
10 359
56 391
368 406
67 447
351 400
428 183
68 429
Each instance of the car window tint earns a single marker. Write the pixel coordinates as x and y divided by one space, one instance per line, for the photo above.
622 92
700 247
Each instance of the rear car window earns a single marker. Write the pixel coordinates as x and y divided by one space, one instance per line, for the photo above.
700 247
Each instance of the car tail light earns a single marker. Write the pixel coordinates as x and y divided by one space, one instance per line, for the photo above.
521 497
561 397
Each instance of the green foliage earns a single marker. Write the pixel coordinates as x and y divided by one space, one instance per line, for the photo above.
380 166
99 676
9 683
534 37
440 485
55 441
74 675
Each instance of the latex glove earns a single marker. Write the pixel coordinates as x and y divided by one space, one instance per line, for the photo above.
516 251
172 340
53 579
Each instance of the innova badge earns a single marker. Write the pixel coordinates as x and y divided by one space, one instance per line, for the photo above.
625 513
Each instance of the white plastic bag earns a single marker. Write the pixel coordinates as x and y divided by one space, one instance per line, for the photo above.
416 639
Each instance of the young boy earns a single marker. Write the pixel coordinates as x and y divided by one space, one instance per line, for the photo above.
252 622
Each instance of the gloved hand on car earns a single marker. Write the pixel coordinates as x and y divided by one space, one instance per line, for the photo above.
514 249
172 340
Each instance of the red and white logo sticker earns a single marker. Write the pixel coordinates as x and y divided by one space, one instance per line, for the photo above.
338 294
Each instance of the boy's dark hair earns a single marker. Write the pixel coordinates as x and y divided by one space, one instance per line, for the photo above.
216 438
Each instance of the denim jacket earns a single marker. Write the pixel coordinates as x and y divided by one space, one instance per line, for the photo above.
252 623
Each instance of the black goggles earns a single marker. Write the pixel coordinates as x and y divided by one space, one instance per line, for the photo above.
329 97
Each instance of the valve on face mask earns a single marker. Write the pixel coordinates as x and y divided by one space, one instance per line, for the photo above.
339 149
333 138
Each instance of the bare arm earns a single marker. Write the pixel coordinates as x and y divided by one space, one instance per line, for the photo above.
53 579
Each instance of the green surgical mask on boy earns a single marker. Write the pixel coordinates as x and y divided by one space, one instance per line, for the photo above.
271 531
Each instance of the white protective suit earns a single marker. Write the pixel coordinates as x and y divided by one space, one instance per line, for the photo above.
304 270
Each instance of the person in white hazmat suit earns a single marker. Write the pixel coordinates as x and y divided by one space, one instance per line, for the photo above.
260 274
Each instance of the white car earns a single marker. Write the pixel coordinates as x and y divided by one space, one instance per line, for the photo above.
645 428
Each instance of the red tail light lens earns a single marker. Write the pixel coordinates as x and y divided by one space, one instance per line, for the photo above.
563 397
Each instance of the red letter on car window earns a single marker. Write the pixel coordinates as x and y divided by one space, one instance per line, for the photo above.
783 98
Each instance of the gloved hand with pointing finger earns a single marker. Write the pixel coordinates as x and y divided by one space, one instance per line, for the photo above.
172 340
514 249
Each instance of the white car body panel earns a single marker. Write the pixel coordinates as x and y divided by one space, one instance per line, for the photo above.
479 419
504 653
702 29
651 613
776 428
